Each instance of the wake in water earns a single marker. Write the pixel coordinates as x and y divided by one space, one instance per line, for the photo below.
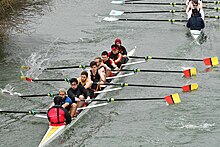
37 62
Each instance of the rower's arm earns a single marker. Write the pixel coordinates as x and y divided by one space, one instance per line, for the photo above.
102 76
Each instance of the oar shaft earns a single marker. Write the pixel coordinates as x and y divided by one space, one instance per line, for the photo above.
27 112
128 99
146 70
154 3
167 20
40 80
165 58
139 85
163 11
67 67
38 95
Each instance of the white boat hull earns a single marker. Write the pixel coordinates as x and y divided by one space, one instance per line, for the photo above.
55 131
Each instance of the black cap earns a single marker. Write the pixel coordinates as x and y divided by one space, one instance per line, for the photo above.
57 100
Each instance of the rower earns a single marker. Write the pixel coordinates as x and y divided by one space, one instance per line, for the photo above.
195 4
57 115
78 93
115 55
195 22
66 102
86 82
101 66
122 50
95 75
110 64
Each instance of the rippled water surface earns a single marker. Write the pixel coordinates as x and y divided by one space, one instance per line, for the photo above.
73 33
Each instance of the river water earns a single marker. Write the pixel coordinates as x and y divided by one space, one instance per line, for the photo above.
73 33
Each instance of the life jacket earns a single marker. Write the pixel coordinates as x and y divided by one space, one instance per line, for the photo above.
56 116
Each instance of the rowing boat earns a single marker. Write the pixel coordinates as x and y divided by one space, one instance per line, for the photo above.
54 131
195 35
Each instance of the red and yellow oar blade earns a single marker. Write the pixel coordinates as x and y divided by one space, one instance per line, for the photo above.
25 67
190 72
26 78
173 99
190 87
211 61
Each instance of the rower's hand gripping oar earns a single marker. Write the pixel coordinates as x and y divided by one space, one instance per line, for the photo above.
170 99
187 73
185 88
211 61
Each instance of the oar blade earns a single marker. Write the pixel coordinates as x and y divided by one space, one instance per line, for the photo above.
213 61
26 78
190 72
117 2
191 87
116 13
110 19
173 99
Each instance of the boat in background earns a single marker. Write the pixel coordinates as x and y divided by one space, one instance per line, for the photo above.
54 131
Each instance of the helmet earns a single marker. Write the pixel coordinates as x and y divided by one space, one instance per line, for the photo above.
117 40
57 100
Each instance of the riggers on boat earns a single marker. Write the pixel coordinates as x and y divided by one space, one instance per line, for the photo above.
54 131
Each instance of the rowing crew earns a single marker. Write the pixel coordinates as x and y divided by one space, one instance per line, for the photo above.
83 88
195 15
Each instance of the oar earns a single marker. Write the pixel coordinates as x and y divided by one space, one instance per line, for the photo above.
61 67
33 112
133 19
211 61
158 3
170 99
216 17
42 80
38 95
185 88
214 8
117 13
188 72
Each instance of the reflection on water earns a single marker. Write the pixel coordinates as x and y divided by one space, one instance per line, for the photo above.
19 16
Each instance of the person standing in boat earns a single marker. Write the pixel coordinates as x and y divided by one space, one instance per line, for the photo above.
115 55
66 102
95 75
86 82
110 64
195 4
122 50
195 22
78 93
57 115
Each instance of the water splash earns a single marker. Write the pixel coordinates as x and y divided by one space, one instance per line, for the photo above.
9 90
205 126
38 61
